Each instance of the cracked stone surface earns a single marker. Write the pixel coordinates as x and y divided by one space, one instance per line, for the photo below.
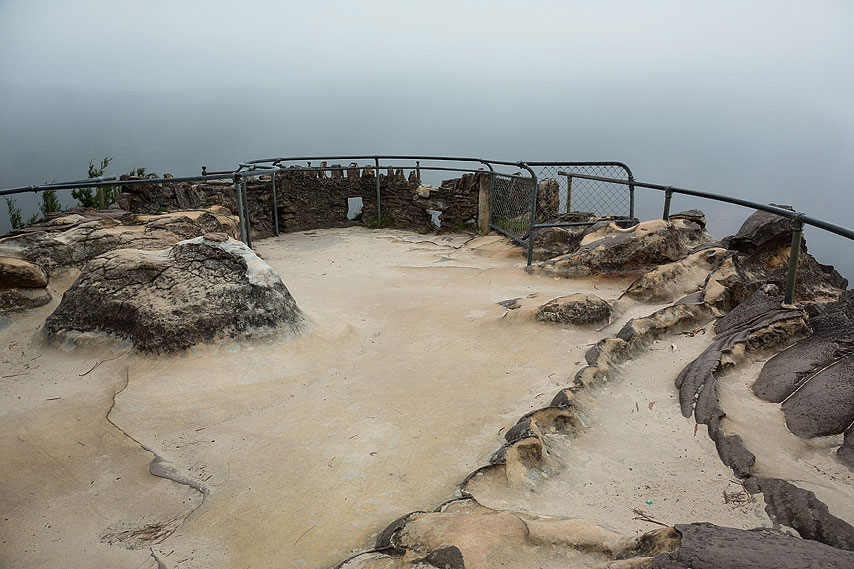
198 291
56 248
608 248
297 453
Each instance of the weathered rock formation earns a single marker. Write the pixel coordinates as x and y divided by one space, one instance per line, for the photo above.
762 246
608 248
200 290
575 309
22 285
78 238
814 379
462 534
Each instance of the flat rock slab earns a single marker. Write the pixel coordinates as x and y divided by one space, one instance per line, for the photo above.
832 338
165 301
824 405
706 546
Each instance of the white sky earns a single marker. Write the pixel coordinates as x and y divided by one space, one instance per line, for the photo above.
750 98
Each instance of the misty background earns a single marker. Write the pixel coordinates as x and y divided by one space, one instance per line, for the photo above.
747 99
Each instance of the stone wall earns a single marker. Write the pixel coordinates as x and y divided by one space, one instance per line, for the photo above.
309 199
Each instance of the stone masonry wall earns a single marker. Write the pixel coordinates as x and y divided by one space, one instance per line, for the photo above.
310 199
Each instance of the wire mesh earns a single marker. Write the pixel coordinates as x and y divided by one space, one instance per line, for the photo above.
510 204
558 195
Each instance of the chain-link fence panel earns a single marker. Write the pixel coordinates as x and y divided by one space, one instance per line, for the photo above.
510 205
559 194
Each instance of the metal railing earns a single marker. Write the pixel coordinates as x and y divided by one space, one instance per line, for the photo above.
519 207
798 219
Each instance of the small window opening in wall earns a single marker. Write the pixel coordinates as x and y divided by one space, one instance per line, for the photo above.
354 208
435 213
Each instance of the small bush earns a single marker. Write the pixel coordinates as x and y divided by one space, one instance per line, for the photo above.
14 214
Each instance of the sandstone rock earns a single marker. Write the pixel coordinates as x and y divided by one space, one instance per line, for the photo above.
548 198
694 215
575 309
465 535
20 273
760 229
607 248
763 243
168 300
672 281
706 546
832 338
824 405
66 247
17 299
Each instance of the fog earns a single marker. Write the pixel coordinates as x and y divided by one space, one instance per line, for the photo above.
748 99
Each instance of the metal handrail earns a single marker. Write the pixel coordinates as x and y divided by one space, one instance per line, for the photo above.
273 166
798 219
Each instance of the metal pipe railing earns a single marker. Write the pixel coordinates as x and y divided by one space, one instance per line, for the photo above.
272 166
798 220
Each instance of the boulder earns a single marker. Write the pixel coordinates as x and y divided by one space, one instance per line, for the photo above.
57 248
575 309
168 300
706 546
672 281
20 273
608 248
832 339
22 285
18 299
763 244
761 229
694 215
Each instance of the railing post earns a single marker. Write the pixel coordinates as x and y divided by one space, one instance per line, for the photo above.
379 205
238 188
275 206
246 212
668 193
484 201
569 193
534 191
794 252
632 197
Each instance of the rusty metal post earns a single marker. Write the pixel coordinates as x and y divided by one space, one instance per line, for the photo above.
668 193
794 252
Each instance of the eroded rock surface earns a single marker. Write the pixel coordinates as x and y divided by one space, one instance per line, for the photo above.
22 285
168 300
607 248
814 379
465 535
672 281
762 246
578 309
79 239
706 546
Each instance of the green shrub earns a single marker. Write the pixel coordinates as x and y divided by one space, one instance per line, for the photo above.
14 214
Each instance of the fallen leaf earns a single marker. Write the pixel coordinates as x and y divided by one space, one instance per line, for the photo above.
637 407
651 403
696 426
373 453
329 464
673 346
